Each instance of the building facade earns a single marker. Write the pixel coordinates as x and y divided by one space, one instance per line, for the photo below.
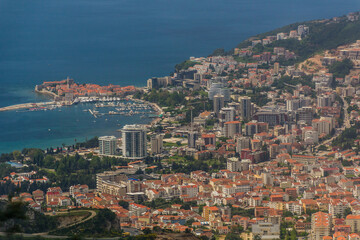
107 145
320 225
134 141
218 103
156 144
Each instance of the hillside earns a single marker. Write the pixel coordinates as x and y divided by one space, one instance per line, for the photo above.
104 224
18 217
324 34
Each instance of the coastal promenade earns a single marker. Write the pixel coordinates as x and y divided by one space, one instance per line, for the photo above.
159 111
26 106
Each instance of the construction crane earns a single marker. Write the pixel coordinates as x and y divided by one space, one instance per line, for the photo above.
191 109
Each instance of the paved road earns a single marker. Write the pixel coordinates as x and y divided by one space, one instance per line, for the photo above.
328 142
93 214
346 117
339 130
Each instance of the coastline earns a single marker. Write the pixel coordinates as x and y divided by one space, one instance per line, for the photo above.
58 102
45 92
50 132
64 125
156 108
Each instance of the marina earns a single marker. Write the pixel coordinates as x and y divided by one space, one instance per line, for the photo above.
58 120
66 123
93 113
128 108
122 106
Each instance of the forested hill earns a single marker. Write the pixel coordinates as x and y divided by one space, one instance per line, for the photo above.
324 35
17 216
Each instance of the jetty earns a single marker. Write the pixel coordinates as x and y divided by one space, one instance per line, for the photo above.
27 106
93 113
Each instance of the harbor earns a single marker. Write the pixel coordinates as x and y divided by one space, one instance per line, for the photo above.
126 108
118 100
69 118
111 105
58 123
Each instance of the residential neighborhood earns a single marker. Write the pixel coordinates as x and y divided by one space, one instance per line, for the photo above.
245 145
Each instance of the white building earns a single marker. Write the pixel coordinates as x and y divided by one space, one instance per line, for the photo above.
294 207
267 179
266 230
231 128
324 101
320 225
233 164
246 110
337 207
292 104
107 145
215 89
156 144
219 102
311 137
242 143
190 190
323 125
280 36
226 115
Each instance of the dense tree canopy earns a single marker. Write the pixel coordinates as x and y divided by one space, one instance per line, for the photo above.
184 65
165 98
341 69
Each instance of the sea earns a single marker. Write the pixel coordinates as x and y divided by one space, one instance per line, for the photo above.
121 42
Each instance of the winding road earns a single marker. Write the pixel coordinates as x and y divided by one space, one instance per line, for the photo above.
47 235
347 124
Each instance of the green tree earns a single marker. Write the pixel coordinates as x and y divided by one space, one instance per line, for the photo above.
341 69
347 212
124 204
218 52
322 148
257 237
184 65
17 155
190 222
232 236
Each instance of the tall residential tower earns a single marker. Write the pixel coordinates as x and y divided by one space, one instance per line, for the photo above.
134 141
107 145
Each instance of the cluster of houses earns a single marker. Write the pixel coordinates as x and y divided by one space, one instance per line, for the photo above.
68 90
273 146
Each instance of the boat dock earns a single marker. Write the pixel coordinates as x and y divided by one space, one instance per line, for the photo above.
93 113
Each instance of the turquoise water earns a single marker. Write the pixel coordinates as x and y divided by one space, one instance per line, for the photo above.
62 125
118 41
